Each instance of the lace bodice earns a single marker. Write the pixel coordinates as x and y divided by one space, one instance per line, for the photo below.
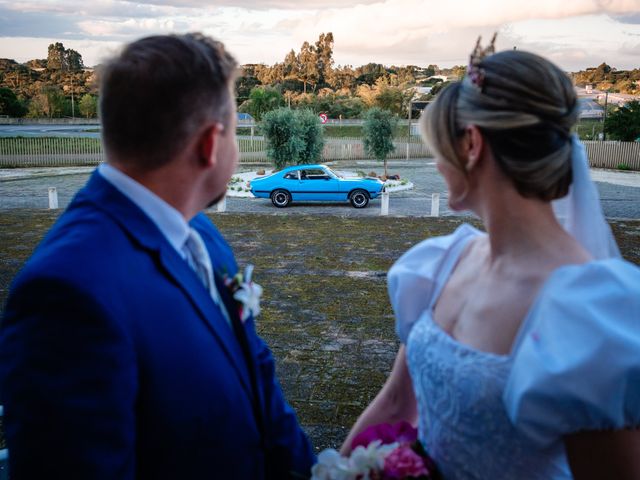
462 420
574 366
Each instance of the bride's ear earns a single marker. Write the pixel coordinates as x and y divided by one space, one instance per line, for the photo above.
473 143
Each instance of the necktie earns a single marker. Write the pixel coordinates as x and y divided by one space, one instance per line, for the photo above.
199 260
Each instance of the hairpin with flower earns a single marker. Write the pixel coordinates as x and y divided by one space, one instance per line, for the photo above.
474 72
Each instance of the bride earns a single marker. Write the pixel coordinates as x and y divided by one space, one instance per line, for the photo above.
520 355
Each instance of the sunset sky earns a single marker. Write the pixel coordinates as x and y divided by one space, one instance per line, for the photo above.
574 33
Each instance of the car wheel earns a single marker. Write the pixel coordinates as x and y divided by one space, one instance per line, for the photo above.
359 199
280 198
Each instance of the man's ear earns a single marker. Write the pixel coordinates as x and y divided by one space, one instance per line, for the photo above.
208 144
473 144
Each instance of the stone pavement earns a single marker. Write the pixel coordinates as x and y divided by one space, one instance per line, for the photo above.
326 313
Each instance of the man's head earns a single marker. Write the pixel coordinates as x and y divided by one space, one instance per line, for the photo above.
160 92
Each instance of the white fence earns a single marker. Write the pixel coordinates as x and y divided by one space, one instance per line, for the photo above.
66 151
614 154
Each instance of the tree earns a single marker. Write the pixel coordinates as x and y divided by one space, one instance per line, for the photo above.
262 100
368 74
624 123
64 59
293 136
390 98
88 106
378 128
311 136
281 130
55 57
308 72
49 102
10 104
324 54
342 77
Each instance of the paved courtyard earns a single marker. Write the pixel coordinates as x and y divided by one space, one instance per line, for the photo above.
619 191
326 313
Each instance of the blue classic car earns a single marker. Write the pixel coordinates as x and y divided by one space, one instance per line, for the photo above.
315 183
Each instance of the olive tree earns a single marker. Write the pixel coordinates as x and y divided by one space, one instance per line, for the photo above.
311 135
378 129
281 130
293 136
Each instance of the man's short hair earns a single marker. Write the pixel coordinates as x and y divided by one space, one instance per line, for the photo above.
159 91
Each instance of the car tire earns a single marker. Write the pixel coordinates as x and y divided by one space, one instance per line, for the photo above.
280 198
359 199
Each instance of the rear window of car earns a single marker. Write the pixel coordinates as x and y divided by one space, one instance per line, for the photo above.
292 175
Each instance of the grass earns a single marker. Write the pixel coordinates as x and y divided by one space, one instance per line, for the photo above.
589 129
326 314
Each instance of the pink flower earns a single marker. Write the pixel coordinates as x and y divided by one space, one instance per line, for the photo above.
403 462
401 432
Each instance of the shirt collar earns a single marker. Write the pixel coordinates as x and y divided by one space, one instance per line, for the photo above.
168 220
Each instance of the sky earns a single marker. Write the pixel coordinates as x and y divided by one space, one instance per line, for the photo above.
575 34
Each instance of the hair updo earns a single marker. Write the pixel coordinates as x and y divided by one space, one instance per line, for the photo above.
525 110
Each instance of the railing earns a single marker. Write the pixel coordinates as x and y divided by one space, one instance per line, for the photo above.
69 151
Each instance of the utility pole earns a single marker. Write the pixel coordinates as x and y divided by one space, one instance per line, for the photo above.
409 132
604 118
73 109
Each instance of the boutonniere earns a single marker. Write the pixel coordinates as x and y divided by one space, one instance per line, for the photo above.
245 292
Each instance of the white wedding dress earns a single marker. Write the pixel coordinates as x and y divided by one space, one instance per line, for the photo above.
575 365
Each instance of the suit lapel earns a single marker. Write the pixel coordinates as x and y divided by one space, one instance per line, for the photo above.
193 288
144 232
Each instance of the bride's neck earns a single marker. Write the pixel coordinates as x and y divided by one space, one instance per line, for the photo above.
523 228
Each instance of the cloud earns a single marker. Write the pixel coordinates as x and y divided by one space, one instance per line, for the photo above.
82 8
630 49
35 24
259 4
411 30
633 18
385 31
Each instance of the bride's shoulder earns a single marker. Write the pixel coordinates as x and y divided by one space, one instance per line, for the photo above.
428 254
420 272
603 285
576 365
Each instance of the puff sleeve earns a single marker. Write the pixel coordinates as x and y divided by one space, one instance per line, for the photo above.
417 277
577 365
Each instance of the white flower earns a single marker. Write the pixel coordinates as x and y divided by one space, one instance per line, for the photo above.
248 294
362 462
364 459
332 466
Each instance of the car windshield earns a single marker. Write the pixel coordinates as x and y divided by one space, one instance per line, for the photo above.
331 172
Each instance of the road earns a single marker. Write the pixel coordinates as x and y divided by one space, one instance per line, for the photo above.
84 131
619 191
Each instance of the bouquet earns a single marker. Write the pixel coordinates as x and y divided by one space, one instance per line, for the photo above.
381 452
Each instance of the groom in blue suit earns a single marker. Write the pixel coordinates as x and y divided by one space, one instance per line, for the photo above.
123 353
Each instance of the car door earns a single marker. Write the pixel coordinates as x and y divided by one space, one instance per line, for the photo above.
317 185
291 182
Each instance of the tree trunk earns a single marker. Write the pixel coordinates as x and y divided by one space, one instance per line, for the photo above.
385 168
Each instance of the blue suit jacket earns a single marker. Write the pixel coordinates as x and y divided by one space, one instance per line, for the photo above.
115 363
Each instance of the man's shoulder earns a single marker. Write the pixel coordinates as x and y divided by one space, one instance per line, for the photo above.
84 239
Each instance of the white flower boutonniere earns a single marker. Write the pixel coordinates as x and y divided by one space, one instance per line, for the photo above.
245 292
